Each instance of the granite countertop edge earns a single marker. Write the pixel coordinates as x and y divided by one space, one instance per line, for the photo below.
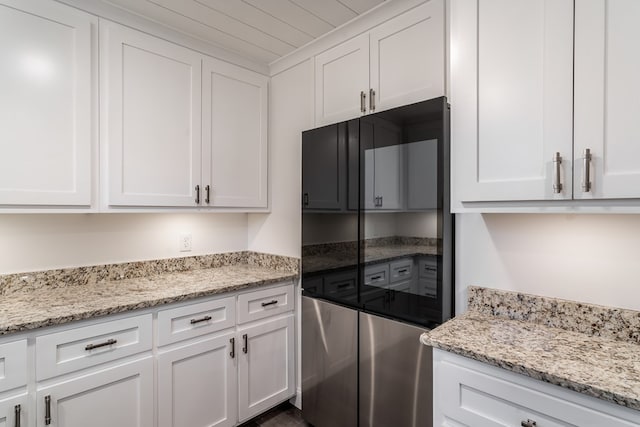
521 366
91 313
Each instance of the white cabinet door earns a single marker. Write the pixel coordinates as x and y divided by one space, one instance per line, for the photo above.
16 411
47 104
197 384
342 73
407 57
265 366
120 396
389 176
234 135
607 89
150 119
511 98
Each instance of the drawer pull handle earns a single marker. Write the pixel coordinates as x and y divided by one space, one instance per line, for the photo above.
207 191
245 346
102 344
47 410
376 278
430 269
528 423
233 347
17 410
272 302
404 270
202 319
343 285
197 194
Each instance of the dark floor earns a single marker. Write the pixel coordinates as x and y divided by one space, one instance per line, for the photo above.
283 415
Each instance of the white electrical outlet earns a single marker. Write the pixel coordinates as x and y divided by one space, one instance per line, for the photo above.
185 242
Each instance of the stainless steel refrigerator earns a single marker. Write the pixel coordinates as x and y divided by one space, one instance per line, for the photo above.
377 265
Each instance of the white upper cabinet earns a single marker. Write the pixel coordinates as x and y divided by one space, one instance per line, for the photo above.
399 62
47 104
150 121
234 106
179 129
511 98
342 81
408 57
607 111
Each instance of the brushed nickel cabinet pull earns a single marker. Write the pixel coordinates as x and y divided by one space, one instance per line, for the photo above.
265 304
363 102
47 410
233 347
372 100
102 344
202 319
245 346
557 185
17 410
197 194
528 423
207 190
586 171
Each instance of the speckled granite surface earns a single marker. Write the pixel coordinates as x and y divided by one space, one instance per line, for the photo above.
546 339
35 300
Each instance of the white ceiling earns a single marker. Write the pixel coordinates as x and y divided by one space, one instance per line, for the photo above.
261 30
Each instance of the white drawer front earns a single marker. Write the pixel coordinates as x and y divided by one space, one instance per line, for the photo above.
376 275
191 321
401 270
479 399
74 349
268 302
13 365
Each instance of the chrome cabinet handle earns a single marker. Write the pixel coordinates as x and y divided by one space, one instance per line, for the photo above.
203 319
245 347
207 190
233 347
363 102
17 410
557 185
47 410
586 171
376 278
102 344
372 100
404 270
197 194
272 302
528 423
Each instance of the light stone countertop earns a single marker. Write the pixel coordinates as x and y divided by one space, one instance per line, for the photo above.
603 361
57 304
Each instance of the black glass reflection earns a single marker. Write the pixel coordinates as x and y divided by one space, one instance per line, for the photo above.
375 213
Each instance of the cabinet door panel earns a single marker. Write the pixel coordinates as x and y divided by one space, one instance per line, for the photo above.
120 396
197 385
324 168
47 104
234 135
150 118
341 74
407 57
265 371
511 88
607 93
18 406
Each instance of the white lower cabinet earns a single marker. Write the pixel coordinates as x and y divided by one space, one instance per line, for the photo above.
265 365
16 411
471 393
197 384
119 396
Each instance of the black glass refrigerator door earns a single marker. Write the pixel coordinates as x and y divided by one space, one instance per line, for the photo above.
404 213
329 215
